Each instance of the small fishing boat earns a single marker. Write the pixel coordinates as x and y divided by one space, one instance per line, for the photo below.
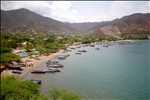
16 71
55 65
56 69
72 48
49 71
77 53
61 57
91 45
105 45
65 55
38 71
52 62
82 51
55 61
12 66
36 81
68 50
97 48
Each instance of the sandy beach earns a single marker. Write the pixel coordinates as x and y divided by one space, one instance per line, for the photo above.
35 63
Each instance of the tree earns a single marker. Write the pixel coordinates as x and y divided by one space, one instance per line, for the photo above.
7 57
51 38
56 94
5 50
13 88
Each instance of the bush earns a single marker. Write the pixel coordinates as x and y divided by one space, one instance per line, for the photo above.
7 57
56 94
12 88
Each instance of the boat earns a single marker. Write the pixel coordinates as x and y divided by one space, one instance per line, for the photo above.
56 69
16 71
91 45
72 47
149 37
55 61
105 45
36 81
61 57
38 71
65 55
68 50
52 62
77 53
82 51
55 65
97 48
49 71
12 66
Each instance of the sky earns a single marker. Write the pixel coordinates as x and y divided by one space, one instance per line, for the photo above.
80 11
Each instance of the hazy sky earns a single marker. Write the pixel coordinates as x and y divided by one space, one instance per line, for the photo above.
81 11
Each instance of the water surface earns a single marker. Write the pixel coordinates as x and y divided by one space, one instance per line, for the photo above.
116 72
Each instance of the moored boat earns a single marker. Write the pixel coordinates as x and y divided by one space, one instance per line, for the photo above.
16 71
49 71
56 69
105 45
68 50
91 45
97 48
65 55
52 62
61 57
82 51
55 65
38 71
55 61
77 53
11 66
36 81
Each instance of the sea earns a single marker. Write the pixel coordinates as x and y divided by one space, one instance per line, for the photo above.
117 72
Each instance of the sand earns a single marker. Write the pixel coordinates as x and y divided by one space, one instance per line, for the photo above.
34 62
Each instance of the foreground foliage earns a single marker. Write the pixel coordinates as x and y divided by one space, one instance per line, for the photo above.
12 88
56 94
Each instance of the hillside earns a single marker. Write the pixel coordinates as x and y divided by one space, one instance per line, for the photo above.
83 27
23 20
127 24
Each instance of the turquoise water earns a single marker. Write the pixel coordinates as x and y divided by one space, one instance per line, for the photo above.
116 72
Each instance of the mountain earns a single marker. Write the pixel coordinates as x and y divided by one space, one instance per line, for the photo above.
83 27
127 24
23 20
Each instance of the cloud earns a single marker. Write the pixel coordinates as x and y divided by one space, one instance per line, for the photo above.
61 11
68 11
31 5
120 8
145 8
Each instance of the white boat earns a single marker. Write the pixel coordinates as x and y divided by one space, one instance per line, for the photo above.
65 55
61 57
55 65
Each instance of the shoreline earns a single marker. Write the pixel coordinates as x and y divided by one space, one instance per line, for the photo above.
43 58
36 63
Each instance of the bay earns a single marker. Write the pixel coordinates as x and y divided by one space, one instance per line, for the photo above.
116 72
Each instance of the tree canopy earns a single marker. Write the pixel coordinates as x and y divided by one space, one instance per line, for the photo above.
13 88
